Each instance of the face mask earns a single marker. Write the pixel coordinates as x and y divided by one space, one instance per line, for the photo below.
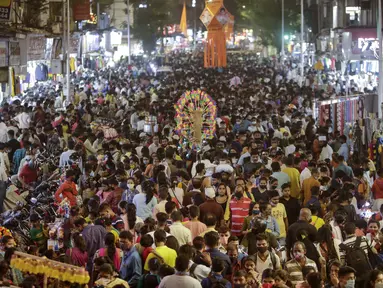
131 186
234 160
256 212
146 162
222 162
298 255
350 283
262 249
263 187
238 195
378 285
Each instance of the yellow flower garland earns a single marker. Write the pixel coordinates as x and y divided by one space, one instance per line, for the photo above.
51 269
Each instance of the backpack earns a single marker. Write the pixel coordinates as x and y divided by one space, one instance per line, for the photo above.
161 260
215 283
191 270
356 258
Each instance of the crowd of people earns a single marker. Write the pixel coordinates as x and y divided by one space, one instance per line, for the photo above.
273 200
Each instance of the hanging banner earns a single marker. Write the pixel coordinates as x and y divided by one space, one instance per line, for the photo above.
81 10
36 48
3 53
74 44
5 10
14 54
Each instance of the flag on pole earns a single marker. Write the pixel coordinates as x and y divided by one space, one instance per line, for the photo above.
183 24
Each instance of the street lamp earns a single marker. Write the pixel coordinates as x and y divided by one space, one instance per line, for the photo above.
195 23
128 26
283 30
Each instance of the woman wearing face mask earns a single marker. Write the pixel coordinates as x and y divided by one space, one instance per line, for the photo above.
130 192
271 222
375 279
249 220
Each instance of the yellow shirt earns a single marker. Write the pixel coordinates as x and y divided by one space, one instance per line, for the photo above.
294 180
165 252
279 213
317 222
207 231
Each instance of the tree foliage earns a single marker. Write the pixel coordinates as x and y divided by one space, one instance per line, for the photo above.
150 23
265 18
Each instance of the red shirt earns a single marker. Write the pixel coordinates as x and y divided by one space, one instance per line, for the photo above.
239 211
28 174
67 190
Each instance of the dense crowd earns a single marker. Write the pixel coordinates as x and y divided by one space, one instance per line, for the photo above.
273 200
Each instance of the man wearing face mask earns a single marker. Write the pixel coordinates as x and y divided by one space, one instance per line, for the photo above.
294 267
346 277
239 207
260 193
258 226
265 258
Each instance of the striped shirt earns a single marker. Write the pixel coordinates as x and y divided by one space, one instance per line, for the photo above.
350 242
295 270
239 210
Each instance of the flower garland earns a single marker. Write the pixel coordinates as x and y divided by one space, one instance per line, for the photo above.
50 269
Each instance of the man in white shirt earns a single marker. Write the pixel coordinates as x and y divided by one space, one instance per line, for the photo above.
326 152
23 119
3 132
197 271
306 173
155 145
65 156
179 231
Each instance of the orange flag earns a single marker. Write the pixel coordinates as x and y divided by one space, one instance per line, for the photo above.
183 24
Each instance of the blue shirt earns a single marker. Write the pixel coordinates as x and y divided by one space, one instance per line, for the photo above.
272 225
17 157
144 210
131 267
282 178
215 253
206 283
343 151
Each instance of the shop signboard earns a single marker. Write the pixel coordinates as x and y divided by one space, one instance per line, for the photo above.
36 47
5 10
3 53
81 10
14 54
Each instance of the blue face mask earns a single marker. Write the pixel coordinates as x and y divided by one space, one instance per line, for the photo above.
256 212
350 283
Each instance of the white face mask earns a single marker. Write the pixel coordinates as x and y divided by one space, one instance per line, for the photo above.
378 285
